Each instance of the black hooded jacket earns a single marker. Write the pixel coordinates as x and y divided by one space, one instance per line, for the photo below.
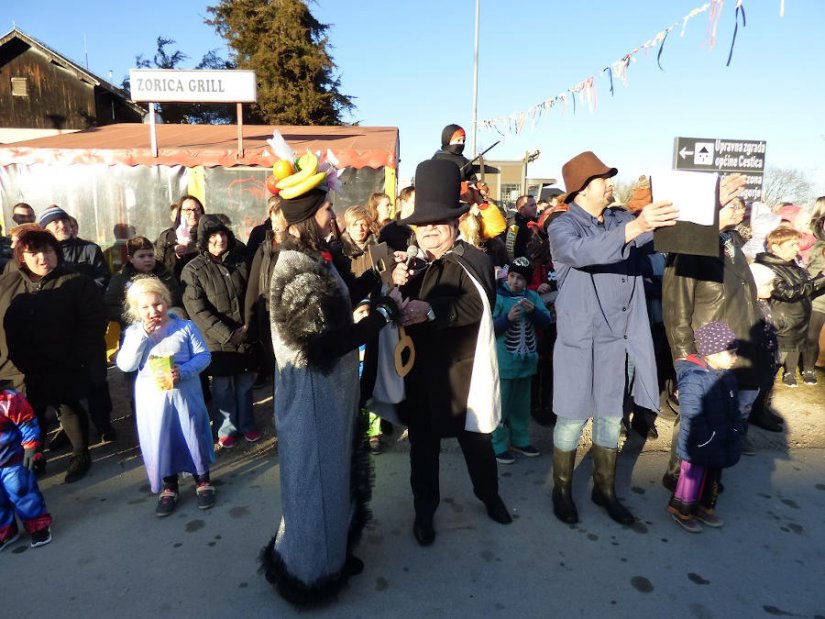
454 152
214 289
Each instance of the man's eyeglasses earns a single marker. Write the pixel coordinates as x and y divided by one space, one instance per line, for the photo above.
190 210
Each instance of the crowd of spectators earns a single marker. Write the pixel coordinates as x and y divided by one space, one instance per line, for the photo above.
565 292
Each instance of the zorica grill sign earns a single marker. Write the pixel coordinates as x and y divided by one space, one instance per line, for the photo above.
200 86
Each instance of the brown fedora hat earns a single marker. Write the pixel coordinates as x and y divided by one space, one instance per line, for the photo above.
582 169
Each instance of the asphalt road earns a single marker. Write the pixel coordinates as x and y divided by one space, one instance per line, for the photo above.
111 557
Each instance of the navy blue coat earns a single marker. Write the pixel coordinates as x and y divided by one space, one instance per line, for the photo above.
601 315
711 425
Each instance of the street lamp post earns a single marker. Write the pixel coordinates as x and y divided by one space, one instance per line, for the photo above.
529 157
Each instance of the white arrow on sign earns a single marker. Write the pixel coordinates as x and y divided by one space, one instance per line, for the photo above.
684 152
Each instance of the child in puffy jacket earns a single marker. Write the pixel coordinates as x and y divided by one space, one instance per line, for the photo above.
712 426
19 494
519 311
791 299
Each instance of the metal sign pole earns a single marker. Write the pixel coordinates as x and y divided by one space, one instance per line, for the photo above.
153 136
239 111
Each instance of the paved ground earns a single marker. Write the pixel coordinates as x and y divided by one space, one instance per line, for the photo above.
112 557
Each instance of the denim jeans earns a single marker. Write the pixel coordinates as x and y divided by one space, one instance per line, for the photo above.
232 398
568 432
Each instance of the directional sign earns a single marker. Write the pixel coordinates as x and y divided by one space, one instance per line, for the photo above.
717 155
723 156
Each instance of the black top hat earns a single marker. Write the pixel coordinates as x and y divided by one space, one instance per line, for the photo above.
437 193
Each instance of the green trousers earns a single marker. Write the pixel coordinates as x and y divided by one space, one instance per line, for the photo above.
515 414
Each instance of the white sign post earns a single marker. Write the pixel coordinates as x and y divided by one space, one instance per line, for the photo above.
193 86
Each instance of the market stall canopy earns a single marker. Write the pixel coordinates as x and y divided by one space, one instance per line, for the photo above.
204 145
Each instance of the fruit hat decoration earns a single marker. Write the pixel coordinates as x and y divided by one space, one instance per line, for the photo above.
290 180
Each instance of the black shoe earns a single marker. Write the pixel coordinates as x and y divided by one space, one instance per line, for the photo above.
167 501
41 537
206 495
78 467
762 420
424 532
353 566
809 377
497 510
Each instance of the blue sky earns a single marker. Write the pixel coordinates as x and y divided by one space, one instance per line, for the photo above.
410 65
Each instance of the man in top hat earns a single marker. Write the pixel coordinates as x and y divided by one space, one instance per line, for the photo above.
602 324
452 389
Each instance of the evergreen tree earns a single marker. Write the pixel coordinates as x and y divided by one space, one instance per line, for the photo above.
289 51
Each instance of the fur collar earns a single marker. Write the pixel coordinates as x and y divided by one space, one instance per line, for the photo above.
307 303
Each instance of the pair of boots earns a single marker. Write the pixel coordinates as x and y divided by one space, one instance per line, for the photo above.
604 476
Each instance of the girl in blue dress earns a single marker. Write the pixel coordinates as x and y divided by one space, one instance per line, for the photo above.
172 418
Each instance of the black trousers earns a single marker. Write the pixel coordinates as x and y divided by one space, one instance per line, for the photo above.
811 349
100 401
425 447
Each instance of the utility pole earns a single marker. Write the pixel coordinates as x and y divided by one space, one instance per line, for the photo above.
475 86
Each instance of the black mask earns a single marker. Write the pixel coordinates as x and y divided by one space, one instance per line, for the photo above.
455 149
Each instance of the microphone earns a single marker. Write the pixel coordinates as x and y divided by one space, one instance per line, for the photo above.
412 254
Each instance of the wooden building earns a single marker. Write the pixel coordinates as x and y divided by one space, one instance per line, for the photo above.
43 93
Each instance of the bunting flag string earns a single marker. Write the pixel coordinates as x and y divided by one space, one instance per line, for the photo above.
713 21
514 124
739 8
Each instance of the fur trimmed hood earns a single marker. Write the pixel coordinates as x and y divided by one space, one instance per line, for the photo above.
209 225
306 303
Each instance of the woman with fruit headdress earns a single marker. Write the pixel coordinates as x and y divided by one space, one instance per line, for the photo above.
324 463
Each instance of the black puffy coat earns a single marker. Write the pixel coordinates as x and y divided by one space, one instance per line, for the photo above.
214 290
51 330
790 299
